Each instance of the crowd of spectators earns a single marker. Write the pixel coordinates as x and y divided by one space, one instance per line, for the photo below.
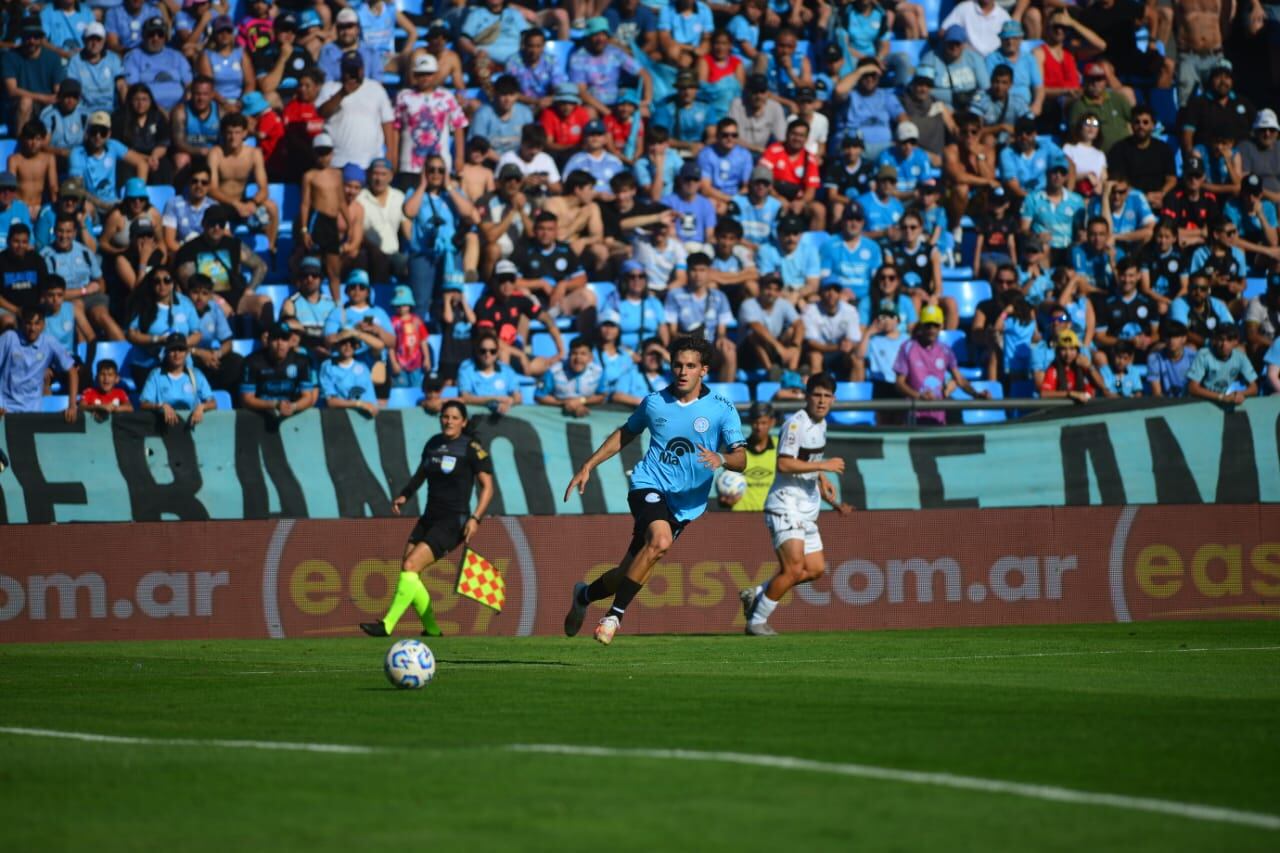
523 204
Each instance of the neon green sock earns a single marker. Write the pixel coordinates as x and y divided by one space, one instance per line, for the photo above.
422 606
409 590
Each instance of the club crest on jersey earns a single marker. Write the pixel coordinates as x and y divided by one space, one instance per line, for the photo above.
448 463
676 448
701 424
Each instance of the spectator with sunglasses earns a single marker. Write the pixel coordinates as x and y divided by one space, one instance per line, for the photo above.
308 308
486 380
97 163
1199 311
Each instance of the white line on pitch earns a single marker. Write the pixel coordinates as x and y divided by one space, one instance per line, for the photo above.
1193 811
87 737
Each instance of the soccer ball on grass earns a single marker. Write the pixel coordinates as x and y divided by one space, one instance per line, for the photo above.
410 664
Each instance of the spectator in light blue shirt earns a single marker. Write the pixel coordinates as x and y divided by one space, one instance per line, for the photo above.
684 26
124 24
344 382
726 166
25 353
1028 82
484 380
595 160
1055 211
165 71
1167 368
869 111
494 28
1119 378
796 260
758 209
960 73
1221 366
502 121
12 208
908 159
850 258
1024 163
881 206
660 164
64 24
97 162
65 119
96 69
175 386
640 314
695 214
371 323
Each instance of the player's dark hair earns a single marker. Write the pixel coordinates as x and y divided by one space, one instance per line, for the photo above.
821 380
691 343
454 404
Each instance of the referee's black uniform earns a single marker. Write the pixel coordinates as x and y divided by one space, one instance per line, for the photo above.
451 467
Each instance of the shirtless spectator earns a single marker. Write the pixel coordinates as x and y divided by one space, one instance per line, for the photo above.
552 271
1199 27
578 216
969 165
353 238
320 216
35 168
233 166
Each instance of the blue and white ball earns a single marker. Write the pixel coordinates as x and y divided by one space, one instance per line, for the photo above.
730 484
410 664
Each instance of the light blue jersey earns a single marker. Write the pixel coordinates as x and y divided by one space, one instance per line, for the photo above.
676 431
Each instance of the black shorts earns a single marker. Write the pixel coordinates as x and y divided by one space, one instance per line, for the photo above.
440 534
648 506
324 233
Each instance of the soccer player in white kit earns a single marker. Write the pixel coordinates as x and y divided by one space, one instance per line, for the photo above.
791 509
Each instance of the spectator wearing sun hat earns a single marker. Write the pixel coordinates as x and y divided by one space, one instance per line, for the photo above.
1260 154
925 366
371 324
1028 81
411 355
959 72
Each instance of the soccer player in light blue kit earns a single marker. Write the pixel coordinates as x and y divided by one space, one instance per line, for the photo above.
669 488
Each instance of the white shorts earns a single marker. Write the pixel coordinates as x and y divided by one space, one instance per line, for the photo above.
784 526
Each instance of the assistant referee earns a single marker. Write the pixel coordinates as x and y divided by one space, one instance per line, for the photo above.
452 463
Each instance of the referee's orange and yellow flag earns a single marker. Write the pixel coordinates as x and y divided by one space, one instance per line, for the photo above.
479 580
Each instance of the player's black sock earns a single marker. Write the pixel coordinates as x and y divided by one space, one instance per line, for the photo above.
627 589
599 589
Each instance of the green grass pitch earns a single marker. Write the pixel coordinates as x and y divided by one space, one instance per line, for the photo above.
1181 712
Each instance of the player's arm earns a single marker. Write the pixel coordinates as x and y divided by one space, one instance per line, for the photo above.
485 480
415 482
612 445
792 465
828 492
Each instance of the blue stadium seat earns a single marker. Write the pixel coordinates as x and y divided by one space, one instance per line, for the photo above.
160 196
223 399
912 49
117 351
381 296
734 392
288 199
559 52
958 341
603 290
472 291
847 392
433 343
544 346
934 12
983 416
7 147
53 403
243 347
410 7
967 294
404 398
277 293
766 390
1254 287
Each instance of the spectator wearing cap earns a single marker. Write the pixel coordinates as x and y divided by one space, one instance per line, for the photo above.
491 32
282 64
1254 216
484 379
785 69
1069 376
97 162
1113 108
762 460
832 330
30 74
1220 368
267 127
70 200
1222 256
695 215
222 256
506 310
164 71
411 355
226 63
346 383
1217 110
307 309
26 352
1148 162
725 167
797 175
866 109
685 117
358 115
371 324
565 121
758 209
699 309
174 386
959 72
1199 33
234 166
684 31
1027 85
908 158
195 123
624 128
1024 164
65 119
502 121
595 160
535 73
505 217
850 257
124 23
926 368
302 123
142 253
932 118
1054 211
999 106
427 119
96 69
807 111
982 24
640 314
773 333
664 258
881 205
1190 205
796 260
597 69
347 42
615 359
278 381
1260 155
761 120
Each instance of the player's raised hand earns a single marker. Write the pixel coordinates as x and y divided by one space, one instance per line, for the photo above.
709 458
580 480
397 503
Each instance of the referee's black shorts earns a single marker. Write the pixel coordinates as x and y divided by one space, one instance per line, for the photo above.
648 506
440 534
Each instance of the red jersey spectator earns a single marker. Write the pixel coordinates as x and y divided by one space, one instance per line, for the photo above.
564 119
267 125
1066 377
411 357
302 123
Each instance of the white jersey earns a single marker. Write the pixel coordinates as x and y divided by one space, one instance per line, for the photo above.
798 493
